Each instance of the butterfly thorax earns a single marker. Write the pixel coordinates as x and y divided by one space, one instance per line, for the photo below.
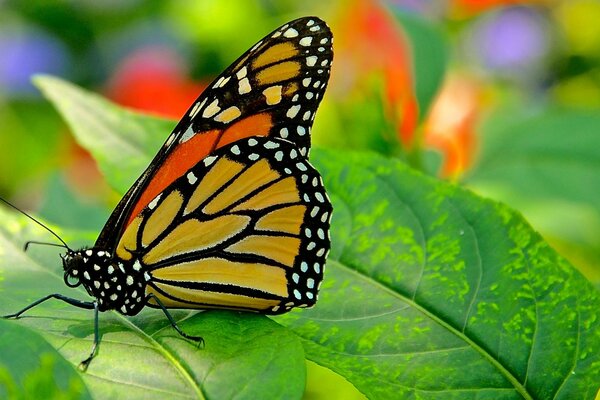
115 285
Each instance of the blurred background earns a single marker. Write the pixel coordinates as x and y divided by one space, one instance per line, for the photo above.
500 96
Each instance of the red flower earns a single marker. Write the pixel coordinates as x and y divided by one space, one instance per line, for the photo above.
153 79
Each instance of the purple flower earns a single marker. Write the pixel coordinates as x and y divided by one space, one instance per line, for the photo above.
511 39
27 51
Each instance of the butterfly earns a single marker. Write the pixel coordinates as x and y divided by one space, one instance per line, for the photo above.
229 214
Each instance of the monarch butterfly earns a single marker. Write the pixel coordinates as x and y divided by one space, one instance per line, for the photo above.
229 214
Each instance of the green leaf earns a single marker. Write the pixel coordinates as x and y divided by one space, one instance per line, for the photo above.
246 355
432 292
31 369
115 136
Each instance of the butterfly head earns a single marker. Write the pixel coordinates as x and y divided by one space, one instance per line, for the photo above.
114 284
81 265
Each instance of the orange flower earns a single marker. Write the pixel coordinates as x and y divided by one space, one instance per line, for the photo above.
368 40
450 126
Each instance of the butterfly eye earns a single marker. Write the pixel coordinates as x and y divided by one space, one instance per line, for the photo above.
71 279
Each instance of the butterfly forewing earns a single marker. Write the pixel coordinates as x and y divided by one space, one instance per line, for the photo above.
272 90
246 228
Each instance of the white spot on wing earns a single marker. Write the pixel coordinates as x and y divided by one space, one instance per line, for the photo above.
191 179
209 160
211 109
244 86
187 135
271 145
154 202
311 61
293 111
306 41
290 33
241 73
197 108
224 82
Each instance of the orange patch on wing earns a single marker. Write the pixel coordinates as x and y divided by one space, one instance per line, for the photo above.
290 89
216 270
255 125
278 72
205 299
181 159
274 54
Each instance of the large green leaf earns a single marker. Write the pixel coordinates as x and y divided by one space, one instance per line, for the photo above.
246 355
37 370
430 292
116 137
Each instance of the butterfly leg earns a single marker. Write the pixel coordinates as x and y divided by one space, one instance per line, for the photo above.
173 323
85 363
74 302
88 305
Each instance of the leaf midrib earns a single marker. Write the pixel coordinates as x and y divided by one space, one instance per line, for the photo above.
500 367
511 378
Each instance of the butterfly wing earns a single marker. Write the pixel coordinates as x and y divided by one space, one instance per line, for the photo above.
246 228
272 90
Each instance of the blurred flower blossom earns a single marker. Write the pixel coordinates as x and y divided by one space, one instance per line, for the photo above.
154 79
477 6
369 41
451 124
25 51
510 40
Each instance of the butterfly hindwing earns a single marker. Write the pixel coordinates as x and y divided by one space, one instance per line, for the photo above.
272 90
246 228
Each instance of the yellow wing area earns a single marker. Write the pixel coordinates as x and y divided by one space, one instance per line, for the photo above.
228 243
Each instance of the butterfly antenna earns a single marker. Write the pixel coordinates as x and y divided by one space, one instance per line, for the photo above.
64 244
27 243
